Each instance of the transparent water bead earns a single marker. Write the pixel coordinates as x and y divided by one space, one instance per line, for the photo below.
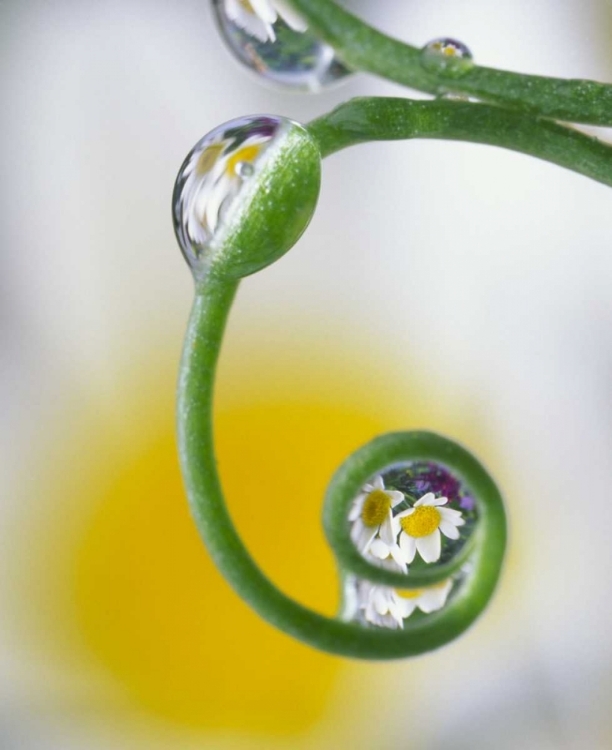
272 40
447 56
245 193
411 516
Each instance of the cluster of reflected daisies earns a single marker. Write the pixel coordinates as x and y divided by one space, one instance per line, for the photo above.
391 524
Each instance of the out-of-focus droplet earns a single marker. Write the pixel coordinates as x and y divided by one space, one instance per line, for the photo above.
272 40
447 56
249 174
451 96
413 516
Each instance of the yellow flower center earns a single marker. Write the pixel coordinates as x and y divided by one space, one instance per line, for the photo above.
423 522
415 593
208 157
409 593
247 153
375 508
247 6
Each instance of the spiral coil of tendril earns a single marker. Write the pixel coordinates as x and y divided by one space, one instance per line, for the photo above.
243 196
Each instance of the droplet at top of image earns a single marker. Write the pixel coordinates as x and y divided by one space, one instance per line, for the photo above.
273 41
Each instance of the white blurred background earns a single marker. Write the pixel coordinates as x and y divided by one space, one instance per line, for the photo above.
440 285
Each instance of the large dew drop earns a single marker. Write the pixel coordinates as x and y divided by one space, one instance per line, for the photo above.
447 56
244 194
413 516
272 40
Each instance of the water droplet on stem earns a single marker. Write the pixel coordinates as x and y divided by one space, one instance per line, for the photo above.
447 56
271 40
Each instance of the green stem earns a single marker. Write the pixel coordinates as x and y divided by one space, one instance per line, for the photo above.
382 118
363 48
195 411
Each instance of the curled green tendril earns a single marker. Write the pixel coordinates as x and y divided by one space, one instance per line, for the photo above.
363 48
195 404
354 122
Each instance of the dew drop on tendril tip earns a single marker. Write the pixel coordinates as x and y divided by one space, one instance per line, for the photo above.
448 56
218 203
271 40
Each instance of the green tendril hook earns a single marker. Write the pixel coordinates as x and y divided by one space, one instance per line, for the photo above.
243 197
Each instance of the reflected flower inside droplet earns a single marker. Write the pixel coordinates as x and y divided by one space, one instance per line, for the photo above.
257 17
273 41
388 607
433 513
213 175
447 55
421 526
372 522
428 600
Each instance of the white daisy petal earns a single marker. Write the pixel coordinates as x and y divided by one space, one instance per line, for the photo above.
396 497
406 606
265 10
387 528
355 510
438 501
381 600
398 557
356 530
218 194
427 499
378 483
408 547
450 513
455 520
434 598
290 16
404 514
379 549
449 530
365 539
429 547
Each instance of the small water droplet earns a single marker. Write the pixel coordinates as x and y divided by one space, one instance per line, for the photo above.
447 56
245 169
411 516
273 42
451 96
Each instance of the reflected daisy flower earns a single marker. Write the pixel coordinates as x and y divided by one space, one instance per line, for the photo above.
388 608
380 605
257 17
420 528
217 169
428 600
371 516
387 556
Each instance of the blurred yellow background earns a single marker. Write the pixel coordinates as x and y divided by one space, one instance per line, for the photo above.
445 286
